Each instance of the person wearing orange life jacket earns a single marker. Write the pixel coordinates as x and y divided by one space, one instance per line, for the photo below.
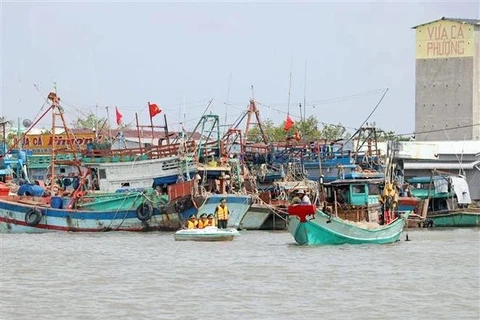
203 221
222 214
210 221
192 223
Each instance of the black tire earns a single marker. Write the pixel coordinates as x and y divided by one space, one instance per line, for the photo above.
144 211
33 217
179 206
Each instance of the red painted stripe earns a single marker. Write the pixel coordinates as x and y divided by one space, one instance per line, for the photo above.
59 228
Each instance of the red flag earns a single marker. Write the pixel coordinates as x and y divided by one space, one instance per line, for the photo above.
119 116
288 123
154 109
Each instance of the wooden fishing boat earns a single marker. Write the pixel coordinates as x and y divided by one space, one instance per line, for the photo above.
445 200
375 219
86 208
206 234
310 226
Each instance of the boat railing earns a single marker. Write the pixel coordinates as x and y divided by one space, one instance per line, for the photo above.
151 152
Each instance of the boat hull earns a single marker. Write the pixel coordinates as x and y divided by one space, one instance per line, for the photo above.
264 217
207 234
456 218
237 204
13 219
320 229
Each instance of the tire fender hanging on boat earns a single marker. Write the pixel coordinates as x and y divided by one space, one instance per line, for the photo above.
33 217
179 206
144 211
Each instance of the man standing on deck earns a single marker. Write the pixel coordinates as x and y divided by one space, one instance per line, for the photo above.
305 199
222 213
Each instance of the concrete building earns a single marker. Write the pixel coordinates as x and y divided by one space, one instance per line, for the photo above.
447 73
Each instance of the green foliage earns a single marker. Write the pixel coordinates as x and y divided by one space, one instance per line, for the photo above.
307 128
90 122
11 137
272 132
101 145
390 136
332 132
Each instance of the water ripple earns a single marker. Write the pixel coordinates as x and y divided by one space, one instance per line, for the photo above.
259 275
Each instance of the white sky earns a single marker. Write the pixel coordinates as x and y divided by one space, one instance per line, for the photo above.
181 55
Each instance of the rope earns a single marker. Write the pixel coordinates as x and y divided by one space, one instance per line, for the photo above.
126 212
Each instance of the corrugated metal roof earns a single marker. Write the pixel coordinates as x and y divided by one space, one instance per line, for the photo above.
459 20
440 165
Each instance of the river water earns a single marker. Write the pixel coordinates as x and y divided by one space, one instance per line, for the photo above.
259 275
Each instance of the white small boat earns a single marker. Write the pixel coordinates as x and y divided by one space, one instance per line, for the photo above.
206 234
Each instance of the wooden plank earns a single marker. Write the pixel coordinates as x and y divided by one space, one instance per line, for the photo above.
31 202
425 208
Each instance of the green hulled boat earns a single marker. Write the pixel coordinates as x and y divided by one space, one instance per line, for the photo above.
448 200
116 200
310 226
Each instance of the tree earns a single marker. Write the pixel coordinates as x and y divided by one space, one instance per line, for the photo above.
308 128
272 132
390 136
334 132
90 122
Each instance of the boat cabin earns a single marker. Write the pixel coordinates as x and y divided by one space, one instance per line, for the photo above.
355 200
354 192
442 191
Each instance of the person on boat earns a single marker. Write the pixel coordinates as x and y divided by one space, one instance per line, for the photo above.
222 213
305 199
210 221
297 199
203 221
342 195
192 223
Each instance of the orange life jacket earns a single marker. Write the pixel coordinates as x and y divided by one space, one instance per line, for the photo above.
202 223
211 223
192 224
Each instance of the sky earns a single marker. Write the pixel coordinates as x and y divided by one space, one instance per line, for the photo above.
338 57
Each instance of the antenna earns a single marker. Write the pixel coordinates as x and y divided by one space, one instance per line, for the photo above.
305 93
290 86
27 123
228 98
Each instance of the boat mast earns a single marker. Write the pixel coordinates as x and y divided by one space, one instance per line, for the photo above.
252 109
57 111
54 98
305 93
290 87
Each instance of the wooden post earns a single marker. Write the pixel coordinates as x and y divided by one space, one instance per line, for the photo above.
138 133
151 120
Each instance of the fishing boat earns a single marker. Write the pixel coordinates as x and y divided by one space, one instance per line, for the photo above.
86 208
269 208
368 213
445 200
310 226
206 234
